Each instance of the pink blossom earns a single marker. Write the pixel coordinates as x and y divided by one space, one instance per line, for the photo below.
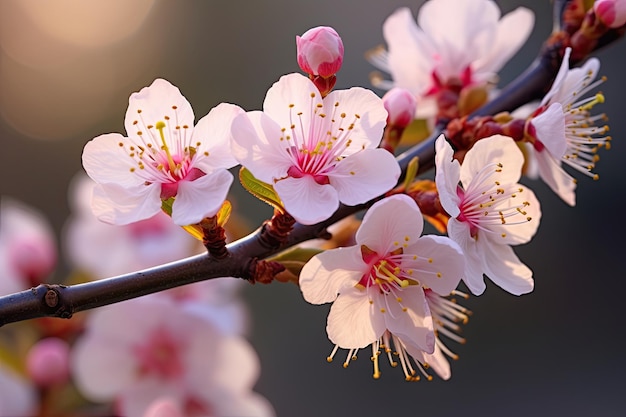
400 105
316 152
47 362
164 156
320 51
611 12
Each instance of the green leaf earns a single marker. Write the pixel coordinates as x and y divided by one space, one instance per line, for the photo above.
261 190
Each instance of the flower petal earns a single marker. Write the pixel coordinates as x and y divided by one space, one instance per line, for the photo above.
370 119
505 269
326 273
553 174
351 324
201 197
388 222
106 162
306 200
550 130
257 145
441 260
291 100
447 176
436 361
118 205
161 101
364 175
473 275
496 149
213 132
415 325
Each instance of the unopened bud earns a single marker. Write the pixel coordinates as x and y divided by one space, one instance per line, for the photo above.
320 51
611 12
47 362
400 105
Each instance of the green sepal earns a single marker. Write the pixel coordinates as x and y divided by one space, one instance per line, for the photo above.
411 172
166 206
415 133
261 190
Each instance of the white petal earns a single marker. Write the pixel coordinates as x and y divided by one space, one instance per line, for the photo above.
410 52
550 130
106 162
559 79
505 269
473 275
257 146
243 405
291 95
415 325
118 205
493 150
364 175
507 42
136 400
325 274
443 259
553 174
156 104
388 222
201 197
519 229
351 323
306 200
18 396
447 175
436 361
213 131
372 116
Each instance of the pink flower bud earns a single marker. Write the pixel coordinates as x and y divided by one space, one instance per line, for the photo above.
611 12
320 51
400 105
47 362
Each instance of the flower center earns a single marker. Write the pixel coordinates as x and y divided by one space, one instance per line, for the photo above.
160 355
487 202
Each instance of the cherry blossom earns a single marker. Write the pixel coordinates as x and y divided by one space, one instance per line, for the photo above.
18 397
611 12
316 152
489 212
464 42
28 251
377 286
320 51
563 130
165 350
164 156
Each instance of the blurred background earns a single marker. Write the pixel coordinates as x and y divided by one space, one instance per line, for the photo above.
67 69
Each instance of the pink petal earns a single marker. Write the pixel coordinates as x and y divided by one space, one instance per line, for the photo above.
118 205
447 176
213 131
368 127
505 269
389 221
156 102
493 150
325 274
364 175
106 162
200 198
351 322
306 200
257 146
443 258
415 325
288 97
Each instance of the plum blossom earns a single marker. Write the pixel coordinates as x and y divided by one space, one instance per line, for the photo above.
316 152
28 251
377 286
563 130
611 12
320 51
464 42
164 350
164 156
400 105
18 397
489 212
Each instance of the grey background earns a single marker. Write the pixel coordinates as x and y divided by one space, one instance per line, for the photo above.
557 351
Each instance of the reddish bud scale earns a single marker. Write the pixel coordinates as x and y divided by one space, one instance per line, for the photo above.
325 85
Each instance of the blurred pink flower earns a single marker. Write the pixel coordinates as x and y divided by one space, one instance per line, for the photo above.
147 349
18 397
611 12
27 247
47 362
